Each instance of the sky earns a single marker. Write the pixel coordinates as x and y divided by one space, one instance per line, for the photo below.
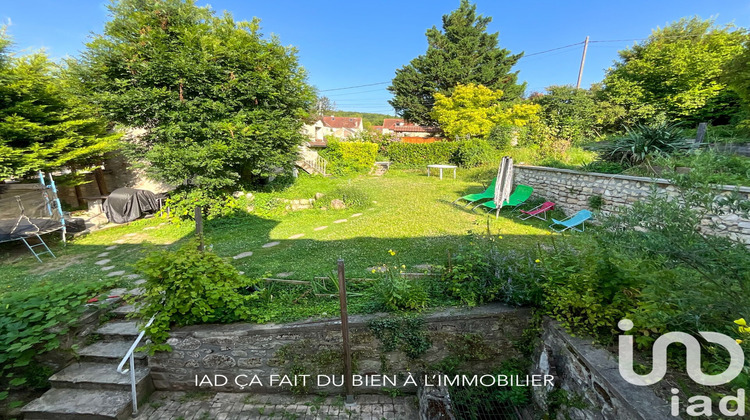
343 44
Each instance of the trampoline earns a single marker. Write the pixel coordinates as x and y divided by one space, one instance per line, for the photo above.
28 211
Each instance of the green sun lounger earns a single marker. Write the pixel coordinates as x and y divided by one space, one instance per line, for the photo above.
518 197
572 222
487 194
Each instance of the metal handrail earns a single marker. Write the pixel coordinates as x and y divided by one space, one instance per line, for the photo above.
129 356
318 163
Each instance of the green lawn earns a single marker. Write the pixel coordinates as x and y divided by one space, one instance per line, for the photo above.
406 212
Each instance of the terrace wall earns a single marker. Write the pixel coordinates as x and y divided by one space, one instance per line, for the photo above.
571 191
314 347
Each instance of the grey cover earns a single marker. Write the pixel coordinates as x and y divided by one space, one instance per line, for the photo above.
127 204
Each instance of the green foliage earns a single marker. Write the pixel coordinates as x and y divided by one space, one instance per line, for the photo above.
477 402
603 167
677 72
483 272
501 137
182 202
405 333
187 286
43 124
737 78
32 322
645 142
576 115
596 202
420 154
473 110
348 157
475 152
396 293
351 195
713 167
463 52
219 101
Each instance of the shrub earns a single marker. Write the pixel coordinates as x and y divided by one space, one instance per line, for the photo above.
395 292
481 273
31 322
420 154
474 152
603 167
644 142
502 137
347 157
182 202
351 195
187 286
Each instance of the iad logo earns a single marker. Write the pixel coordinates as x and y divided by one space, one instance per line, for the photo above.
700 405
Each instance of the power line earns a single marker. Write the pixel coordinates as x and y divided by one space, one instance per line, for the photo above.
553 49
354 87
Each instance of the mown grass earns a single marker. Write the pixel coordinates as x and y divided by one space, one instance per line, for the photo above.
405 211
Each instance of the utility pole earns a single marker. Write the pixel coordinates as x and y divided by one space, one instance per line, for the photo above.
583 60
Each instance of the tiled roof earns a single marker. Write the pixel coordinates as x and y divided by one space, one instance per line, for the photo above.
389 123
342 122
416 129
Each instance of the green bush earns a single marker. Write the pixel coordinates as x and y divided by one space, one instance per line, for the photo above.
475 152
420 154
32 321
644 142
182 202
187 286
603 167
348 157
351 195
396 293
501 137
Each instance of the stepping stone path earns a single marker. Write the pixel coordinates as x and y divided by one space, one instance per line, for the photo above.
132 276
120 241
320 228
116 273
149 227
285 275
243 255
340 221
271 244
107 268
297 236
102 262
111 247
139 282
128 235
102 255
356 214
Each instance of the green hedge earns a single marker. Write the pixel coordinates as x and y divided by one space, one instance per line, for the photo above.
346 157
417 154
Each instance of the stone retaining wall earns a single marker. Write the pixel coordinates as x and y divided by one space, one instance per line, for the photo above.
315 348
590 380
571 191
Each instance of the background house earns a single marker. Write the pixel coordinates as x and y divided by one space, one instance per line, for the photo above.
339 127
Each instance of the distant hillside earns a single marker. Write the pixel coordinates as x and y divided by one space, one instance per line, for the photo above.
368 118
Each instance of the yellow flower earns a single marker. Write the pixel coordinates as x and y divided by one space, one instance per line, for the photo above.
741 322
392 252
403 266
499 236
537 261
373 270
738 341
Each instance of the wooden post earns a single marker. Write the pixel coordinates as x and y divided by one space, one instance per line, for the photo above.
100 182
700 135
583 61
345 334
199 227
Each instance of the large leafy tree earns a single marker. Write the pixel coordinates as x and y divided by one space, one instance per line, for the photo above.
675 73
43 124
463 52
737 77
473 110
219 102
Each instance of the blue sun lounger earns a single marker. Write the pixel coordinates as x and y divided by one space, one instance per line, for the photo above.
572 222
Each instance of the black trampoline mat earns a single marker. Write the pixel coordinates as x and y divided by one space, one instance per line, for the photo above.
12 230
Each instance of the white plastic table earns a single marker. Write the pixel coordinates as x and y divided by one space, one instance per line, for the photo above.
441 167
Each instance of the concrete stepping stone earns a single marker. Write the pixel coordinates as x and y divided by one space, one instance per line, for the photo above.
111 247
139 282
129 235
243 255
271 244
117 292
297 236
120 241
116 273
132 276
378 269
423 267
138 291
340 221
102 262
285 275
320 228
102 255
356 214
107 268
371 208
149 227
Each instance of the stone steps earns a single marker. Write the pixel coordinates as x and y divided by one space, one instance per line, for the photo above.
109 352
79 404
100 376
119 330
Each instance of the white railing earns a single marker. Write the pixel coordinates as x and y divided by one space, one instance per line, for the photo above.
318 163
129 356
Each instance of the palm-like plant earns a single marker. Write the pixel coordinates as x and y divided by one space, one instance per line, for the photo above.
645 141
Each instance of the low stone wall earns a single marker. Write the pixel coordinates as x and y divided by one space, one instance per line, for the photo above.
571 191
589 378
314 348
